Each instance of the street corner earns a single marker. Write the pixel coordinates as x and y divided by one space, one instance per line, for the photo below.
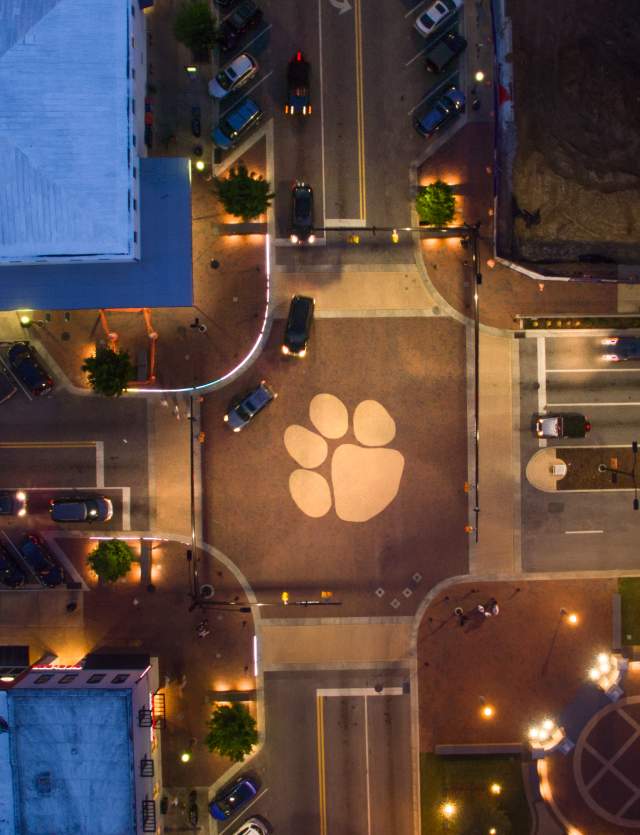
343 475
485 677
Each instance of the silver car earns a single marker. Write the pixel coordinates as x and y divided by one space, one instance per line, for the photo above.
252 826
233 76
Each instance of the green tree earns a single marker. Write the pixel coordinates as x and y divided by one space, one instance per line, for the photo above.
194 26
111 559
232 731
109 371
243 194
436 203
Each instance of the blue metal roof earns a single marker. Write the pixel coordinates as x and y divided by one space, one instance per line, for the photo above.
161 278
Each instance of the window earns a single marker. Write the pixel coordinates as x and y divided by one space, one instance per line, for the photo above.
44 678
67 678
120 678
95 678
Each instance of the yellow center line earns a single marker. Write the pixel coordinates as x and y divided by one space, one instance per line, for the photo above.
360 108
45 444
321 766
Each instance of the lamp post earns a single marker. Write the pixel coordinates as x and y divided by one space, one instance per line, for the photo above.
615 472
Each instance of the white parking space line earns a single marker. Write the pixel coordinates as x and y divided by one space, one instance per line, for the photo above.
434 91
415 57
584 531
321 112
99 463
253 40
366 762
542 377
592 370
360 691
345 221
592 403
414 9
126 508
248 806
247 92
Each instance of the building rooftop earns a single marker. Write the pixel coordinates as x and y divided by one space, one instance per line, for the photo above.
71 762
65 130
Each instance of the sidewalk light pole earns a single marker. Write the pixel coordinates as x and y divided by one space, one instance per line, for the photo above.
615 472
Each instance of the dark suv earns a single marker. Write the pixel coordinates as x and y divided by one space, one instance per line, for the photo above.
302 214
245 16
296 332
26 367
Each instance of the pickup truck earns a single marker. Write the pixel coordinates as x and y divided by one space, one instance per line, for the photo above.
440 55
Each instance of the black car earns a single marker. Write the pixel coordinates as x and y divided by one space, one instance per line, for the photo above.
298 98
622 348
26 366
37 557
296 332
81 509
13 503
244 17
302 214
439 56
11 575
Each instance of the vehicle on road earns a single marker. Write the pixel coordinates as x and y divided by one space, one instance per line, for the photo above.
252 826
13 503
622 348
233 76
441 54
232 127
26 366
439 113
296 332
233 797
7 386
243 409
11 575
81 509
245 16
34 552
562 425
298 96
302 214
436 16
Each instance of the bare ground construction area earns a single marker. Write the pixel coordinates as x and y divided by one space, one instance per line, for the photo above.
576 176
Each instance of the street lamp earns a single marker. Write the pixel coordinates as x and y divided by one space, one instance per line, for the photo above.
615 472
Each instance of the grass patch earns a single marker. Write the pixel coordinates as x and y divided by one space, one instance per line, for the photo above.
629 590
465 782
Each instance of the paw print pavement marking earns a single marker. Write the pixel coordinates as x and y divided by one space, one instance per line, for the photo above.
365 477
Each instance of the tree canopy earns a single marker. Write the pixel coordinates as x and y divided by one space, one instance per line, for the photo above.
111 559
109 371
436 203
242 193
195 26
232 731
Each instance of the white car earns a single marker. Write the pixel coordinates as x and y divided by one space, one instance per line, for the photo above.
253 826
233 76
436 16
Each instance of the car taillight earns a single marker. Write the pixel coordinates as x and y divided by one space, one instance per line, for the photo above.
587 426
611 358
298 57
610 340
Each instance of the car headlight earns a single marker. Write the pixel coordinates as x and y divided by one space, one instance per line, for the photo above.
285 350
294 239
611 357
226 418
237 428
21 496
311 238
610 340
22 511
302 353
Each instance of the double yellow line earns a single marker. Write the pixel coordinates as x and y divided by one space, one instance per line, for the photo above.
357 10
321 764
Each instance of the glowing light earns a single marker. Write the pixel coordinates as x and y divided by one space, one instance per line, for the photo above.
200 165
448 810
594 674
573 619
534 733
479 76
495 788
395 237
488 712
547 724
25 320
185 757
493 831
21 496
6 679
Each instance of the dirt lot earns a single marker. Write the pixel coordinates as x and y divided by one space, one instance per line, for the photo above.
576 66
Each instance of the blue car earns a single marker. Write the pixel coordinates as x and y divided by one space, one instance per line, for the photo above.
622 348
36 556
26 367
230 799
244 409
236 123
440 112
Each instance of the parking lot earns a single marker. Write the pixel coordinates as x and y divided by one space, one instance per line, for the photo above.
356 147
583 530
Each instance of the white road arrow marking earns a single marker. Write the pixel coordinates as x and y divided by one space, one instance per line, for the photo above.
342 5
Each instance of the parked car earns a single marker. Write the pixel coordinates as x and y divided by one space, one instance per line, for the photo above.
252 826
37 557
302 214
244 17
81 509
622 348
231 798
298 96
27 368
13 503
236 123
436 16
562 425
296 332
441 54
243 409
439 113
7 386
234 76
11 575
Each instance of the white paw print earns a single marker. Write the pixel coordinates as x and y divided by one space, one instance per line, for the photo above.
365 477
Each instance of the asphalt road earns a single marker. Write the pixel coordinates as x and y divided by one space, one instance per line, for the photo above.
577 531
337 759
53 444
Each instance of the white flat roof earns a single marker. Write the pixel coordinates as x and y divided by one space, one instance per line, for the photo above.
64 129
